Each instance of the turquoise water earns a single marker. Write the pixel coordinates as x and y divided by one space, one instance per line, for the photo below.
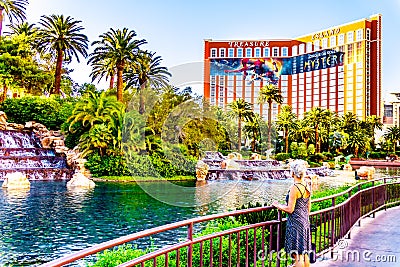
48 220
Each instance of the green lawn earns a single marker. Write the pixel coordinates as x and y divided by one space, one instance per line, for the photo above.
143 179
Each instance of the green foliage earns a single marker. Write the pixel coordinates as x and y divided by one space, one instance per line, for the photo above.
311 149
117 256
318 157
328 155
282 156
49 111
302 151
375 155
107 165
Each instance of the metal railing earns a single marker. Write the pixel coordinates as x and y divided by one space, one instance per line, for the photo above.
257 244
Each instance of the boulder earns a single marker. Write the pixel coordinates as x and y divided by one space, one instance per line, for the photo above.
3 120
80 180
16 180
366 172
201 170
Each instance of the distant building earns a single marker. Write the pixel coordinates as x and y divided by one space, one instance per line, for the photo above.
391 111
338 68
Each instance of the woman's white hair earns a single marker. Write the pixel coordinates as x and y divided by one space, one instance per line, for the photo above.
298 167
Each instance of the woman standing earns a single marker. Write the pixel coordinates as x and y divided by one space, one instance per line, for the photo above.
298 205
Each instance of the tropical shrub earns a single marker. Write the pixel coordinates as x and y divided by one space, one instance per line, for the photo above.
282 156
107 165
51 112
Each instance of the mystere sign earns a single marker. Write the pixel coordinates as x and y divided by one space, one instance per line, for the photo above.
316 61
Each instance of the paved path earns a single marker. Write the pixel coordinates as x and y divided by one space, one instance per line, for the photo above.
375 243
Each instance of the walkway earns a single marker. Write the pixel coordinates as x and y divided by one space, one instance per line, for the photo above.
375 243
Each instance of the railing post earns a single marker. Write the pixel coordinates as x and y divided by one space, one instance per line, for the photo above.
373 199
333 225
190 248
385 195
278 239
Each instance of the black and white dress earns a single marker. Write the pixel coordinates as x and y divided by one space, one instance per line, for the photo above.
298 234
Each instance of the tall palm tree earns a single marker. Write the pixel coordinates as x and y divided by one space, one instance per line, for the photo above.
14 9
61 35
287 121
241 110
372 123
118 47
146 70
268 94
348 122
315 117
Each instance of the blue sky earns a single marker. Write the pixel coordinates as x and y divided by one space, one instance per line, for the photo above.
175 29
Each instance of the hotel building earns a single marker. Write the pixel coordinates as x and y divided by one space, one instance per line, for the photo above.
338 68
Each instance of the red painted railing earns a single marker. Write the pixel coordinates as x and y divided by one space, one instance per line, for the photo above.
253 244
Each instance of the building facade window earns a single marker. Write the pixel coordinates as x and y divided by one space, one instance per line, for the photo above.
239 52
332 41
324 43
316 45
341 39
294 50
350 37
301 49
359 35
284 51
275 52
257 52
231 52
222 52
309 47
266 52
213 52
249 52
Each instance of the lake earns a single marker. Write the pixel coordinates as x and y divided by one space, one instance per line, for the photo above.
48 220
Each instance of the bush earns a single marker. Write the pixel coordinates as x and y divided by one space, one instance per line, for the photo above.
328 155
51 112
375 155
318 157
282 156
108 165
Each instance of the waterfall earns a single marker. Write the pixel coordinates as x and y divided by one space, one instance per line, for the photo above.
22 151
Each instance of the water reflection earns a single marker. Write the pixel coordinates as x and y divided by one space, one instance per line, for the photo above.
16 195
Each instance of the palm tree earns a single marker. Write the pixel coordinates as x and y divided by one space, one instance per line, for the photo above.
14 9
117 47
348 122
103 68
61 35
146 70
268 94
92 111
315 117
358 139
23 28
286 121
372 123
304 131
241 110
393 135
252 129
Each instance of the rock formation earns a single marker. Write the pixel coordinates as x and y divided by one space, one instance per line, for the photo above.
16 180
201 170
81 181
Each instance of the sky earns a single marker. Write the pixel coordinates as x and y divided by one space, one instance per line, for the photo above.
176 29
